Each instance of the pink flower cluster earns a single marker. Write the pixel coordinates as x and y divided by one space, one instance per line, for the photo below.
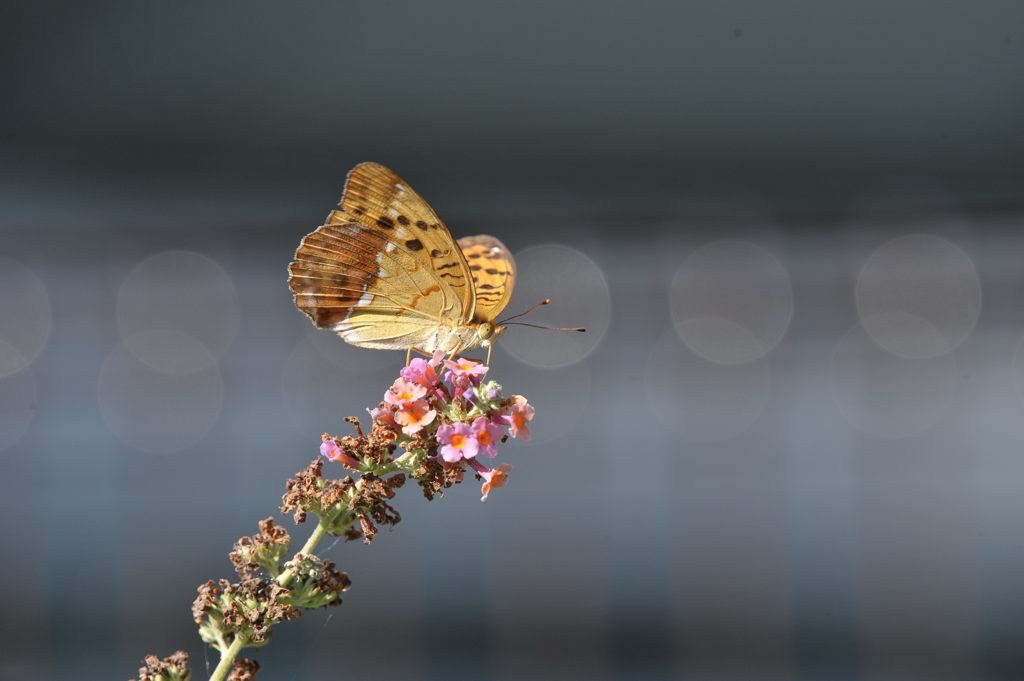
449 408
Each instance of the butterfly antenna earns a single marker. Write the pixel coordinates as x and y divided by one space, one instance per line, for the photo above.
548 328
546 301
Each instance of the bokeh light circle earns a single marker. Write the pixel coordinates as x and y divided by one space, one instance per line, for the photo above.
26 317
731 301
170 352
183 292
700 400
561 397
318 394
886 395
580 297
155 411
17 397
351 358
918 296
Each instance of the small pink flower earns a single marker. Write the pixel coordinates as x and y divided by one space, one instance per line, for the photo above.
423 372
520 416
494 479
383 415
488 434
414 416
403 391
459 442
466 367
462 386
331 449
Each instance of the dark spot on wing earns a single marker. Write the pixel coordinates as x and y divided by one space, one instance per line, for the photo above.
422 225
413 244
475 268
434 253
385 222
402 220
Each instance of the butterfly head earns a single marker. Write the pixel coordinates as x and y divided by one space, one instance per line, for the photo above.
488 333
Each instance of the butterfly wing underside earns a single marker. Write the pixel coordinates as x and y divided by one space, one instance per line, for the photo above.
384 271
494 274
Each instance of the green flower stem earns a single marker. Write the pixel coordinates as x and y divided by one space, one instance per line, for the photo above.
228 654
227 659
285 578
402 463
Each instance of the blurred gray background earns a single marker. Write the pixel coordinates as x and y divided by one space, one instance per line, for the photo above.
789 448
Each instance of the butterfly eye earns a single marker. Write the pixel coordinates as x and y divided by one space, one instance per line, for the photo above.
485 330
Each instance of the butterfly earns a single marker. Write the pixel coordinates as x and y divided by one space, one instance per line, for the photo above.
384 272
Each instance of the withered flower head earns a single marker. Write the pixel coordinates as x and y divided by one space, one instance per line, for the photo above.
254 605
247 608
316 582
370 506
264 550
172 668
308 492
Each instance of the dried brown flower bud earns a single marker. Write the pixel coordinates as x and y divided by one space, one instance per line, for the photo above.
436 475
207 599
301 489
244 670
375 448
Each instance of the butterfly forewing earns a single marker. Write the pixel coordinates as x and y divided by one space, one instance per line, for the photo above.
376 197
494 274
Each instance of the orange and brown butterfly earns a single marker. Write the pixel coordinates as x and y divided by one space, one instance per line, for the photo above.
384 272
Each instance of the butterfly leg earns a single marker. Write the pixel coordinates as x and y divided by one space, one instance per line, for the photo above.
490 347
418 351
455 350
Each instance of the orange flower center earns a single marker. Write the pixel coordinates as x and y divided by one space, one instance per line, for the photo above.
484 438
458 441
518 420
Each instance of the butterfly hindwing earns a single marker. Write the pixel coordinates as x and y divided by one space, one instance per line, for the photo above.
494 274
370 289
